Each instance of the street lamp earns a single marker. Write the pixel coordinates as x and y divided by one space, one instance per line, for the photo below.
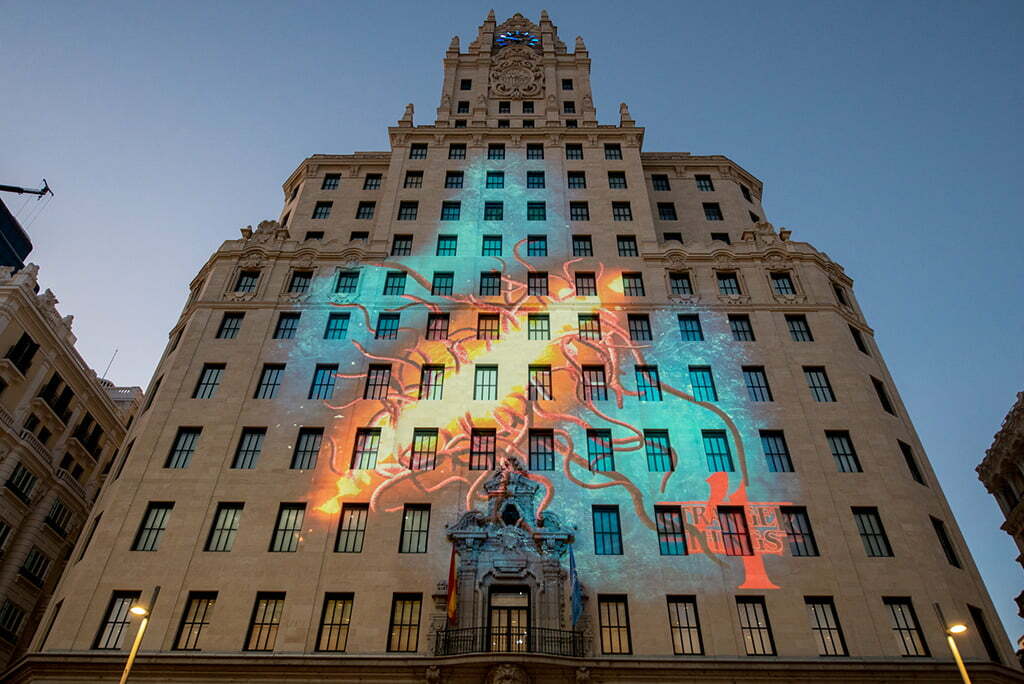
145 613
951 629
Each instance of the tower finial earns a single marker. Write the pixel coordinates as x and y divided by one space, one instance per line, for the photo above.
406 119
490 17
544 15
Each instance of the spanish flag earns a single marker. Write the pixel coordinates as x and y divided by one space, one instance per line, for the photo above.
453 592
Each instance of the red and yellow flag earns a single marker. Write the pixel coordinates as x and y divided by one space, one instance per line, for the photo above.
453 592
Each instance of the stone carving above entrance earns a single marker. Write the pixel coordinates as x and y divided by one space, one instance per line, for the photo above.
517 72
507 674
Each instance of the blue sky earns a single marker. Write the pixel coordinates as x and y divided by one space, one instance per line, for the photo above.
887 134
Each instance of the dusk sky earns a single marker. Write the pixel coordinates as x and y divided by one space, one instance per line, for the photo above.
887 135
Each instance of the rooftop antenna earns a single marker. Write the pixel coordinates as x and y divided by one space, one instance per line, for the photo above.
21 191
109 365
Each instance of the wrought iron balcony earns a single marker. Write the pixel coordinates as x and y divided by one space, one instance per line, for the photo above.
560 642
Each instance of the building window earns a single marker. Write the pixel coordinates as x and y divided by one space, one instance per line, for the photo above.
407 211
841 446
639 327
799 331
684 625
754 625
270 380
372 181
574 151
782 284
424 449
945 542
648 385
595 388
671 536
577 180
542 450
482 446
776 451
825 625
352 528
579 211
265 621
447 245
633 284
442 284
582 245
534 179
334 622
195 618
568 107
600 454
817 381
984 634
612 151
37 563
589 326
607 532
225 526
288 529
495 180
660 182
504 107
437 326
347 281
404 628
704 183
116 620
667 212
247 281
536 211
869 525
798 530
209 380
230 325
905 626
457 151
466 84
322 386
322 210
883 396
728 283
496 151
307 448
453 179
721 237
659 451
11 617
490 284
689 328
365 210
287 324
617 180
337 326
613 617
415 528
908 457
539 383
183 447
413 179
746 192
757 383
735 536
621 211
364 452
538 327
858 340
58 519
450 211
536 245
713 212
703 383
627 246
432 383
314 235
300 282
488 327
537 284
491 245
533 150
494 211
485 383
716 451
387 327
154 522
418 151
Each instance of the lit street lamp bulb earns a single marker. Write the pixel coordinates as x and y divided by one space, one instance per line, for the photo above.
957 628
138 610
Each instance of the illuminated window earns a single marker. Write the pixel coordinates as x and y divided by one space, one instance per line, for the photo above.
209 380
413 179
494 211
586 285
534 179
703 383
647 383
667 212
817 382
270 381
538 327
613 616
372 181
617 180
337 326
487 327
154 522
869 525
415 528
442 284
432 383
542 450
659 451
607 531
495 180
364 454
378 378
689 328
482 445
716 450
825 625
536 245
684 624
671 537
579 211
621 211
639 327
457 151
537 284
288 530
600 455
407 211
265 621
776 451
490 284
437 326
798 531
905 626
590 326
347 281
225 526
307 448
404 629
491 245
595 388
633 284
418 151
485 383
352 528
334 622
754 625
394 283
230 325
183 447
322 386
424 449
387 327
365 210
574 151
322 210
799 331
533 150
539 383
116 620
757 383
739 325
841 446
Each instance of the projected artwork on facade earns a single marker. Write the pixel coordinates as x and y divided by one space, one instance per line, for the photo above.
451 367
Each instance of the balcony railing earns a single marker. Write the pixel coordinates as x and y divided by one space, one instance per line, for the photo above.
558 642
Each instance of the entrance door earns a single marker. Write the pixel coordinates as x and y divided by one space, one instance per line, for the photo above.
509 618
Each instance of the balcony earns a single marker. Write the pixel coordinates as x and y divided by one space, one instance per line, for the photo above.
69 482
541 640
37 447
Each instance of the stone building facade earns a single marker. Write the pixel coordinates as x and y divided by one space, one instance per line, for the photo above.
517 401
1002 473
59 430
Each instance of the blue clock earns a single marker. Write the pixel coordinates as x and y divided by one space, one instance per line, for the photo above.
517 38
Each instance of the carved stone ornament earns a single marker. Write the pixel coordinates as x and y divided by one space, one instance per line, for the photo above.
507 674
517 72
251 260
432 675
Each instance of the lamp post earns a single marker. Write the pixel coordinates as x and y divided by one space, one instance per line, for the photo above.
145 612
952 629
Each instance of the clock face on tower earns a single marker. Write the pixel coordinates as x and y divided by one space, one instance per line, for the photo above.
517 38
